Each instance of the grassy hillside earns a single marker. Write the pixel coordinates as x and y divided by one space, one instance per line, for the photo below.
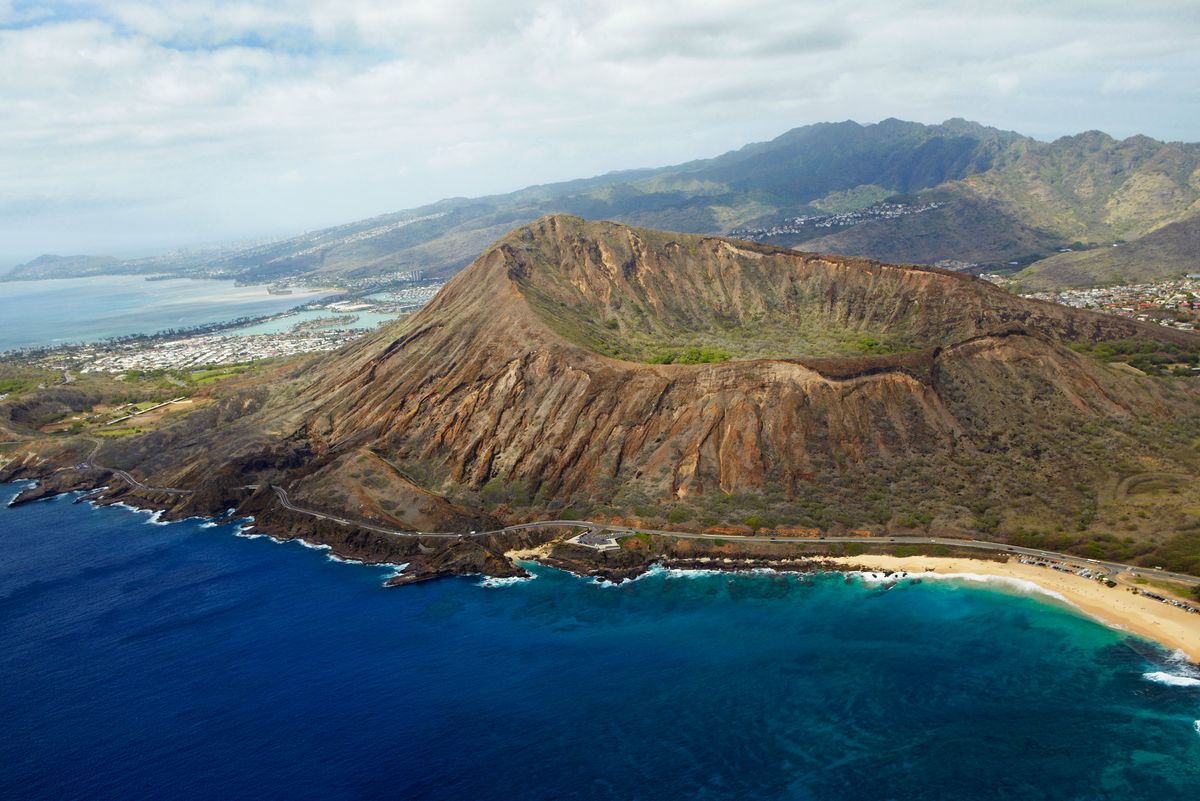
965 229
1164 253
1008 201
1093 188
826 164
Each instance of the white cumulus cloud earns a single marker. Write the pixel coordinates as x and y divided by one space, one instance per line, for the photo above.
134 125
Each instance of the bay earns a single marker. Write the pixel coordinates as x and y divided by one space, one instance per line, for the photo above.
62 311
182 661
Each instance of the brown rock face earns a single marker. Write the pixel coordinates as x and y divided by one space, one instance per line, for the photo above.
527 387
498 383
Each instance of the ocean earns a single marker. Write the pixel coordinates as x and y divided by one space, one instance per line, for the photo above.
182 661
58 312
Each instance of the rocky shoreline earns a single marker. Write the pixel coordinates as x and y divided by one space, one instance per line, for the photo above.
498 556
426 558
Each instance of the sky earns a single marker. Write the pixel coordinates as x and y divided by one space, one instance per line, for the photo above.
133 127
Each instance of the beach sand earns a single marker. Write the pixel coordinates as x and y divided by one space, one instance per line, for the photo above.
1113 606
530 554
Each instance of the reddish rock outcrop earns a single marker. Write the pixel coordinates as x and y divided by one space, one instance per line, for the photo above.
481 387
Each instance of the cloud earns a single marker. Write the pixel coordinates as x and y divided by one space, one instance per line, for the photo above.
1130 82
208 107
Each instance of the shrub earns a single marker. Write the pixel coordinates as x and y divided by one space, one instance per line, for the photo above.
869 344
703 355
678 515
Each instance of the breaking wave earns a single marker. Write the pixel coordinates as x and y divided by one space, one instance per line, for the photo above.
507 581
1021 585
21 487
1170 679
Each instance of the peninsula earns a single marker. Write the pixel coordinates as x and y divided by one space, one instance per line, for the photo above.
765 404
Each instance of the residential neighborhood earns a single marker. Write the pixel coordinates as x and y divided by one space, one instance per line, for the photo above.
812 223
1171 303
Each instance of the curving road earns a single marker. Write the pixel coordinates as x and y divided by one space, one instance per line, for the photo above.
284 501
141 486
1109 567
87 464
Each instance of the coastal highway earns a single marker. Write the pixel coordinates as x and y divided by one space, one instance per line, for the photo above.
87 463
141 486
1109 567
284 501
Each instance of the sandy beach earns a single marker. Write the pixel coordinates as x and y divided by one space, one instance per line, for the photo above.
535 554
1113 606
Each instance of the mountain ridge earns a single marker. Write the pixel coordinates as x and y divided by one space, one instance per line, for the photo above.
1005 200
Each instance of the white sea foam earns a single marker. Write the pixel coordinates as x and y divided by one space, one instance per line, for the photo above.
507 581
1181 673
21 487
1170 679
684 573
311 546
345 560
1021 585
154 515
244 531
687 573
1178 657
1196 726
397 569
653 570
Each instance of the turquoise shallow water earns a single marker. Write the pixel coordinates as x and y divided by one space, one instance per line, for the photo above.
41 313
366 320
180 661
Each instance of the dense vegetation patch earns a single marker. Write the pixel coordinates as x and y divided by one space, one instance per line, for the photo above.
1152 358
702 355
14 386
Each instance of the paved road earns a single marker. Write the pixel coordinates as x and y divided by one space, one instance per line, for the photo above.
1109 567
281 493
141 486
87 460
87 464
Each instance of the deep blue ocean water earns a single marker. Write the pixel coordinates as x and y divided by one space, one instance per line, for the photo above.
181 661
55 312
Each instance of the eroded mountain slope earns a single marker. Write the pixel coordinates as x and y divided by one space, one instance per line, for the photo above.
484 390
503 401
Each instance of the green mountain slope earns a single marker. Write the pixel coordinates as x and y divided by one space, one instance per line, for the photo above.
1164 253
964 229
1082 192
1091 187
1002 201
759 182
